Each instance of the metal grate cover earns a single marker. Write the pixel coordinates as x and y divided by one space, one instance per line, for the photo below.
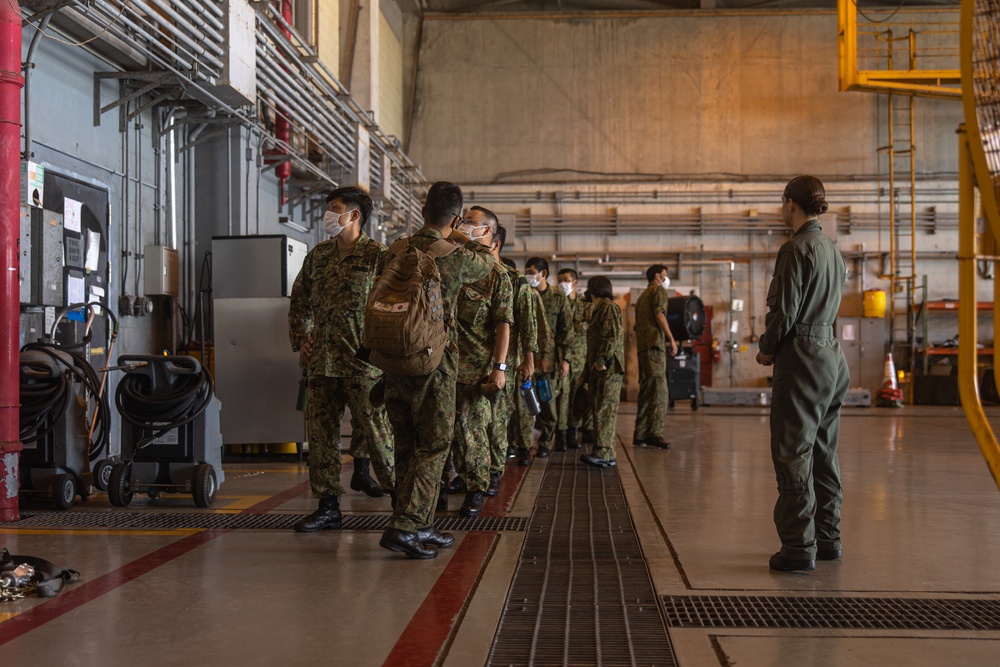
276 521
690 611
581 593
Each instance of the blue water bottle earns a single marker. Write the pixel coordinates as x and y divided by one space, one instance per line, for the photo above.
531 404
544 388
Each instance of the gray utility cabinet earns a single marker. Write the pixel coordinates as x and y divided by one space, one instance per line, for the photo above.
256 373
863 340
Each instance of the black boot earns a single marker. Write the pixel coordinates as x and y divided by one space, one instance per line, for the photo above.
327 516
587 436
473 504
442 504
494 488
544 451
456 485
405 542
571 441
363 481
523 456
512 452
560 441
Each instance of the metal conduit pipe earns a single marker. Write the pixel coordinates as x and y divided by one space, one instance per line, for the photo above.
306 114
26 68
145 48
11 83
170 28
199 26
206 13
302 116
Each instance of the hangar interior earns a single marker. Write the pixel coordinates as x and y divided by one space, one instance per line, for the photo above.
175 157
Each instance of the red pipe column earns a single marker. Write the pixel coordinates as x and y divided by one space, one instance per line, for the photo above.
283 128
11 82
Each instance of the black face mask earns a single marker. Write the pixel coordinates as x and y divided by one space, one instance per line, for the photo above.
587 296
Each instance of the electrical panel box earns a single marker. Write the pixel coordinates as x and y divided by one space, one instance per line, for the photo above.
160 265
237 82
248 267
47 257
24 257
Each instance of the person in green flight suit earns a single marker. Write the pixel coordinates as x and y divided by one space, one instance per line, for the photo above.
604 370
652 340
326 314
810 381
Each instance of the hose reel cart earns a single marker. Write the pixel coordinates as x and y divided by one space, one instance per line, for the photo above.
171 438
57 384
686 319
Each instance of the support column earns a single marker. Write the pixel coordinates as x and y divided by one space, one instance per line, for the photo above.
363 59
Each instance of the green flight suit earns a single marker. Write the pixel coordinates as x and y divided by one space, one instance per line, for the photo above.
422 408
810 382
482 306
327 304
559 315
605 347
651 347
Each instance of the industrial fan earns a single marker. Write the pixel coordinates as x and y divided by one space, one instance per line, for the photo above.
979 165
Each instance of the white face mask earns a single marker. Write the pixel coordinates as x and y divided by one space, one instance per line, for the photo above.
331 223
566 288
534 279
666 282
468 229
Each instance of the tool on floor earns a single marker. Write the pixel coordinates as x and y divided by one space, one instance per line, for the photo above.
21 576
890 395
171 438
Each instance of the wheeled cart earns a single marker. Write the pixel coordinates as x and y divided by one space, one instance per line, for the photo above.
171 439
683 374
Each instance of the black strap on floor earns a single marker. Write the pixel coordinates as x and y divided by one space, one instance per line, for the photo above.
582 593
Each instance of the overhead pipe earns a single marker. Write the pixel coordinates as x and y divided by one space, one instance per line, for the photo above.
11 82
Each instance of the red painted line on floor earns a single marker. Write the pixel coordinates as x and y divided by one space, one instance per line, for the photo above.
436 620
265 506
510 484
78 595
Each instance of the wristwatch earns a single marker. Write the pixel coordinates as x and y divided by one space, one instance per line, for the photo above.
501 366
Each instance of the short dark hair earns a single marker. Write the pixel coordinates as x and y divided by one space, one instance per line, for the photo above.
501 236
653 270
538 264
572 272
491 217
808 192
507 261
353 198
600 287
444 202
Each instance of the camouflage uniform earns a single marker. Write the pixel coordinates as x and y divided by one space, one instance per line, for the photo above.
523 425
328 305
523 341
559 314
581 311
422 408
651 345
606 347
482 306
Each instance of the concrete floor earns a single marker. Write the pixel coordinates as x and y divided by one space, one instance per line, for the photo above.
920 519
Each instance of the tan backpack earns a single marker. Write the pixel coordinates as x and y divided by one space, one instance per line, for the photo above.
405 323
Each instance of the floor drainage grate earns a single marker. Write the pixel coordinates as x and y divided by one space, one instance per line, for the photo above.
581 593
174 520
831 612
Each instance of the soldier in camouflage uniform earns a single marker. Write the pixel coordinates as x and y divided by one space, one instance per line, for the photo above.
651 337
325 319
555 365
533 335
605 370
422 408
568 424
484 317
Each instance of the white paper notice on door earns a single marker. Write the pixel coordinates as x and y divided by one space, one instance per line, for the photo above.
75 290
71 214
847 332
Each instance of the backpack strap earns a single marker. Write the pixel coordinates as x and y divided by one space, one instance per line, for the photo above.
399 245
441 248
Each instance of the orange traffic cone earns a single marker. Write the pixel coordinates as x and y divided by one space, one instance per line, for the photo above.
890 395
